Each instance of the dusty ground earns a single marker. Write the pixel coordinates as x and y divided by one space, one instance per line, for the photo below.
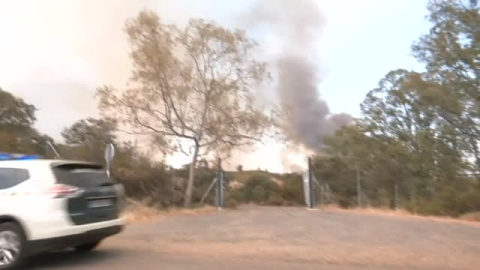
282 238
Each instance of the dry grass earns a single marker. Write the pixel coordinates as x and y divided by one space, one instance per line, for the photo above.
370 210
137 211
140 212
470 219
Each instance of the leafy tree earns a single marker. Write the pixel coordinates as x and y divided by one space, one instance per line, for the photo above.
90 130
15 114
400 112
86 139
419 131
451 52
17 133
191 85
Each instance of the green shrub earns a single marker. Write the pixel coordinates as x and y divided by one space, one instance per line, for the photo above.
277 201
231 203
258 189
292 189
474 216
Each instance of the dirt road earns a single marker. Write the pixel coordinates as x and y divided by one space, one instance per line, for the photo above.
281 238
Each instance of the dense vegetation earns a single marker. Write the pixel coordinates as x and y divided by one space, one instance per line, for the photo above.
419 132
415 146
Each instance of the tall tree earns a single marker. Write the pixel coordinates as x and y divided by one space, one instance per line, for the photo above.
17 131
190 86
419 131
90 130
87 138
15 114
451 52
400 114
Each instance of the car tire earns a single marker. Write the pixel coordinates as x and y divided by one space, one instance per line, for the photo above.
87 247
12 246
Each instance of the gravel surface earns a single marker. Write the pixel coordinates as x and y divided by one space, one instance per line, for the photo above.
282 238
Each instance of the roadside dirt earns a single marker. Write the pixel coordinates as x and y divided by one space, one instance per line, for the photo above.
322 237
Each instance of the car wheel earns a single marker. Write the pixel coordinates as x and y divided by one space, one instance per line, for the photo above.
87 247
12 245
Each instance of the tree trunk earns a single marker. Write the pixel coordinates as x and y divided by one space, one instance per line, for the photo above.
191 178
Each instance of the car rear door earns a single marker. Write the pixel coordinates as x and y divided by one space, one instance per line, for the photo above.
99 200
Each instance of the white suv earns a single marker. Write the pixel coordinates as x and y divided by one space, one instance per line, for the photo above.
55 204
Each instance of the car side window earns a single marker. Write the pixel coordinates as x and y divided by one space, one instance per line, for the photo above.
10 177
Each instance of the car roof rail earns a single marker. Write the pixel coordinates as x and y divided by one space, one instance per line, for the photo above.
15 156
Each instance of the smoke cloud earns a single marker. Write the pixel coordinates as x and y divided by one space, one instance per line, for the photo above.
55 53
295 29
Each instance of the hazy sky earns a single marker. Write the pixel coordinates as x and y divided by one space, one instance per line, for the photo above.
54 53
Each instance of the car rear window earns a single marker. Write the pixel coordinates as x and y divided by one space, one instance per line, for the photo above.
81 175
10 177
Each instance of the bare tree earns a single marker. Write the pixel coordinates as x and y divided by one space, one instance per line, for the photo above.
191 86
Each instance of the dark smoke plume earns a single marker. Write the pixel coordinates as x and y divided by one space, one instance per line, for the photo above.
297 27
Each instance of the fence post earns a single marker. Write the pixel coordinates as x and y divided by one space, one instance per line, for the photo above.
359 188
219 190
310 184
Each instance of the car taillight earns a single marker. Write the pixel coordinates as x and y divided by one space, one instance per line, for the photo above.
60 191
